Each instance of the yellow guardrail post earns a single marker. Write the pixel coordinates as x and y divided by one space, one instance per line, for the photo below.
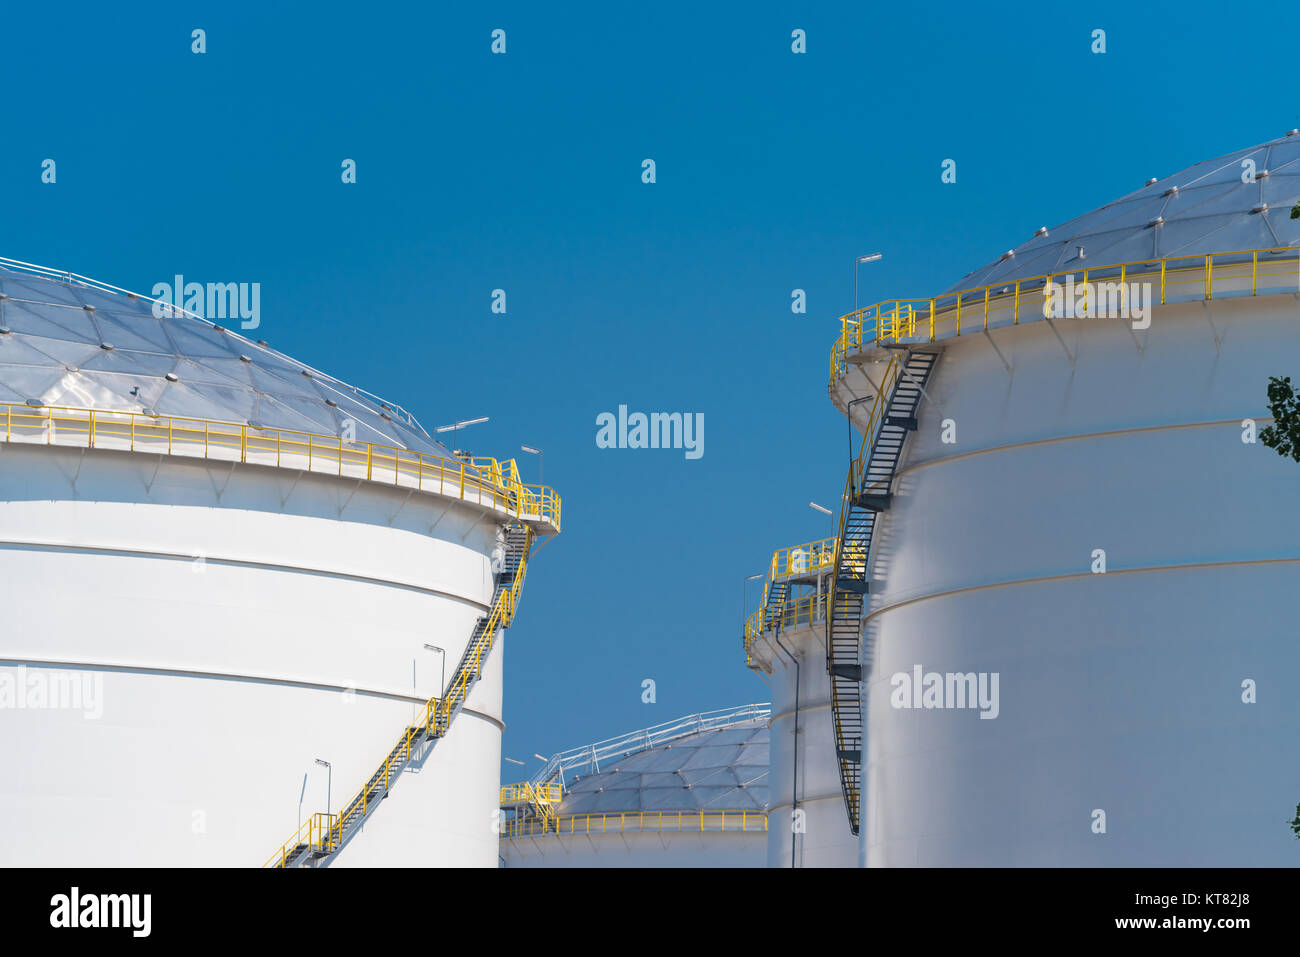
1254 268
1209 277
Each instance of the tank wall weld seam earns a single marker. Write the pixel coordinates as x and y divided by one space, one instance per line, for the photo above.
1051 440
15 544
125 668
1067 576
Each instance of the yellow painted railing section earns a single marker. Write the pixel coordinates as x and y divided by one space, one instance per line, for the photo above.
1247 272
323 832
636 822
542 798
530 793
805 559
482 480
809 558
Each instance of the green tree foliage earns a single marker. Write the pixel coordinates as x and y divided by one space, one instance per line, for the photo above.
1295 824
1284 434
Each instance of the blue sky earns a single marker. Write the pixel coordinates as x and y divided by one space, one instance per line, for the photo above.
523 172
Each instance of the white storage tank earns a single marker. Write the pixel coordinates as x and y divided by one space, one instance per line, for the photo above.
785 639
1078 637
686 793
223 573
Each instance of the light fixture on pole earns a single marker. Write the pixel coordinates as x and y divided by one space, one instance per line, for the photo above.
513 761
744 608
848 414
442 682
456 427
869 258
541 461
329 784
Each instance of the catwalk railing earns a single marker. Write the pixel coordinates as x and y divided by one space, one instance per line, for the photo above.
590 756
634 822
483 481
1197 278
796 561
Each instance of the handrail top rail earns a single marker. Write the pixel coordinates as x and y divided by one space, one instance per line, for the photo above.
853 328
636 741
741 818
1012 283
487 471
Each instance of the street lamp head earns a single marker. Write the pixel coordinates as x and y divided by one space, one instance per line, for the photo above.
753 578
529 448
540 757
869 258
429 647
821 508
322 763
461 424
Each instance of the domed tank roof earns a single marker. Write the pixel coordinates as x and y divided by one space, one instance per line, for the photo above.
720 769
68 341
1206 208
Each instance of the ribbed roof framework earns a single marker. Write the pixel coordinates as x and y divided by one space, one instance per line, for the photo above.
715 770
63 343
1212 207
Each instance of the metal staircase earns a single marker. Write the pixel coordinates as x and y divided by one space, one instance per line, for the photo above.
317 839
867 491
531 804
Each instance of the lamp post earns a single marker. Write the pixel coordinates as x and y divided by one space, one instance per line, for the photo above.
541 461
869 258
442 682
823 509
456 427
848 414
745 602
329 784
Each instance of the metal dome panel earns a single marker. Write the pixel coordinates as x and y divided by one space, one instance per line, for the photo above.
1206 208
720 769
66 343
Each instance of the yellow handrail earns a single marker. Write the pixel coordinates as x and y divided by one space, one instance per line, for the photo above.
895 320
809 558
635 822
484 480
529 793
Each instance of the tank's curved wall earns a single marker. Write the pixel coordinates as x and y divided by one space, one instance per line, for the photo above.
1119 692
241 623
654 849
826 840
